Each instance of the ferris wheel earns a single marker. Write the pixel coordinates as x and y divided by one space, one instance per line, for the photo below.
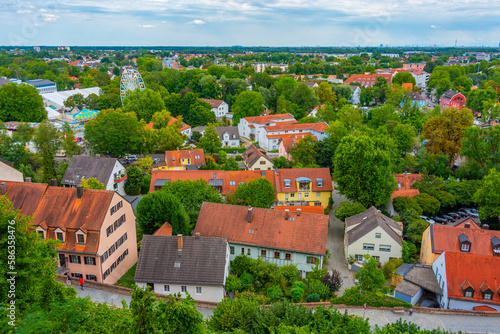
131 79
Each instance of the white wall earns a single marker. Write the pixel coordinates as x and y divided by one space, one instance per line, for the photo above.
357 247
208 293
118 168
439 269
458 304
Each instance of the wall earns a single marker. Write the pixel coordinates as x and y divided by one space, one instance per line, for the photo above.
118 168
357 247
312 197
427 257
268 165
439 269
208 293
458 304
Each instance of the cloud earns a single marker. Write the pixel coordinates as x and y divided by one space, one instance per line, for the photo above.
197 22
50 17
146 26
24 11
434 26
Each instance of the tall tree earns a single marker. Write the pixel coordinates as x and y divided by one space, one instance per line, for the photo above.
404 136
210 142
69 144
363 172
403 77
133 183
144 103
487 197
369 277
21 103
325 94
304 152
47 141
305 98
247 104
258 193
482 146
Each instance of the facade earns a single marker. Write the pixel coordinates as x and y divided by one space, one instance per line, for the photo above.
452 99
43 86
183 159
219 107
96 228
249 127
270 136
171 63
367 79
109 171
373 233
176 264
260 233
468 281
415 99
416 67
287 142
8 173
256 159
304 186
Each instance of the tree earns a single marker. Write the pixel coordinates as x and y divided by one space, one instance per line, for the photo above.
145 165
369 277
346 210
134 180
416 229
326 113
47 141
162 118
297 291
75 100
391 266
247 104
403 77
402 204
363 172
69 144
304 97
445 131
92 183
275 293
114 134
487 196
196 136
210 142
170 137
258 193
404 136
144 103
304 152
325 93
21 103
282 162
482 146
333 281
429 204
159 207
231 164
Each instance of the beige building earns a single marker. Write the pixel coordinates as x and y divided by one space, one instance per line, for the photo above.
8 173
256 159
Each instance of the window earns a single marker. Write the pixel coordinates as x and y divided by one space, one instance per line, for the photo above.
75 259
91 278
113 266
317 203
242 251
106 274
249 252
318 194
469 294
81 238
286 196
124 237
119 259
292 195
111 250
465 247
287 183
60 236
40 233
109 230
232 183
288 256
263 253
368 246
198 290
262 162
104 257
377 258
311 260
166 288
183 288
488 296
319 182
306 195
276 255
304 186
231 250
89 260
125 253
377 235
384 248
76 275
112 210
119 205
358 257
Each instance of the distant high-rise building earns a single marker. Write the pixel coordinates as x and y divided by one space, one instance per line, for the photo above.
381 45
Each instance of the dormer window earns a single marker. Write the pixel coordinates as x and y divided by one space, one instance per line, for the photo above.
495 245
319 182
464 243
60 234
465 247
80 237
486 291
287 183
468 289
41 234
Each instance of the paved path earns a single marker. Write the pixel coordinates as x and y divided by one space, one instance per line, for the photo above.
335 244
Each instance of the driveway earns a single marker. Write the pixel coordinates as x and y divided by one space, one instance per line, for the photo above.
335 244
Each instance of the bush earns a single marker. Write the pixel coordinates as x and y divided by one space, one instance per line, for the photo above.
319 288
275 293
402 204
430 205
297 293
232 149
313 298
346 209
238 158
352 296
233 283
333 281
390 267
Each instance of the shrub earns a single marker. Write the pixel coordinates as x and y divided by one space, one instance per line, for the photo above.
430 205
232 149
290 273
238 158
275 293
313 298
233 283
319 288
353 296
297 293
390 267
333 281
402 204
346 209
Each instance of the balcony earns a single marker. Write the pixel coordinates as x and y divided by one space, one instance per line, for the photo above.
119 178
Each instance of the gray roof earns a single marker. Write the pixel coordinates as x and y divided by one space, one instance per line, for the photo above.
416 97
201 261
43 82
407 288
199 128
231 130
449 94
81 165
161 182
405 269
424 277
215 182
133 200
495 241
462 237
4 81
367 221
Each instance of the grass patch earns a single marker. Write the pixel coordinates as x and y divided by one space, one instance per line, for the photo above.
127 280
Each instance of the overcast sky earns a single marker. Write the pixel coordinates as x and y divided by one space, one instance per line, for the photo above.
250 23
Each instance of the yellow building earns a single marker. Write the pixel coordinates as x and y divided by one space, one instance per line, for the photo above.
181 159
304 186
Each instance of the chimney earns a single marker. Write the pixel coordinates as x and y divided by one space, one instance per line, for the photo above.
53 182
79 191
405 173
177 150
28 180
249 214
286 214
263 172
97 156
486 227
467 225
3 188
298 212
179 242
197 235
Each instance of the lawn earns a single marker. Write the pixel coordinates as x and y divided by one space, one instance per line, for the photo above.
127 280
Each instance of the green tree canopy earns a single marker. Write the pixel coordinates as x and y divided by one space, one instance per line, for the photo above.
487 196
144 103
92 183
133 183
369 277
247 104
21 103
304 152
403 77
346 210
258 193
210 142
429 204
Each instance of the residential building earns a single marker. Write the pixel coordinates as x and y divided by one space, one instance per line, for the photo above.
405 189
417 280
375 234
219 107
356 95
304 186
468 281
286 142
8 173
171 63
318 210
96 228
367 79
228 135
466 236
43 86
452 99
416 66
184 159
314 112
279 237
415 99
270 136
176 264
109 171
249 127
256 159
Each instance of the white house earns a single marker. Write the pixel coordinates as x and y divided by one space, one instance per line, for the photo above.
373 233
280 237
270 136
109 171
43 86
249 127
355 97
176 264
228 135
219 107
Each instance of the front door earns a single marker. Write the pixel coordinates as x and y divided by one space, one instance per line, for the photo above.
62 260
151 286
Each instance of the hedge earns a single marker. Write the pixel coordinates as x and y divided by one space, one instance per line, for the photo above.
232 149
352 296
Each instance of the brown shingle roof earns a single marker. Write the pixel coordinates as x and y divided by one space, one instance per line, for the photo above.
201 261
25 196
372 221
82 166
253 154
268 228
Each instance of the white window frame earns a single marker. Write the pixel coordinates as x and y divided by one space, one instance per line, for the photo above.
166 288
198 290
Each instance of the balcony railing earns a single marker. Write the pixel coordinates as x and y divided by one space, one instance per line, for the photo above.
120 178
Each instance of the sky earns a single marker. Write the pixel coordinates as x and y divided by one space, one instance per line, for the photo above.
250 23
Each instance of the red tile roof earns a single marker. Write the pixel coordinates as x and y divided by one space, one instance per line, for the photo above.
268 228
405 184
213 103
25 196
318 210
296 173
484 308
477 270
245 176
173 158
165 229
319 127
268 119
172 120
369 79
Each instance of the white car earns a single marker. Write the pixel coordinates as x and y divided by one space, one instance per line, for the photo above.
427 219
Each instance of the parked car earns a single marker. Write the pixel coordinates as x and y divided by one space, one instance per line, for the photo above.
449 218
131 158
427 219
454 214
430 303
470 212
463 213
440 220
156 160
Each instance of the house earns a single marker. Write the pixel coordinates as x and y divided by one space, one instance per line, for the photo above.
219 107
318 210
256 159
356 95
465 237
183 159
270 136
367 79
8 173
228 135
304 186
43 86
249 127
279 237
109 171
416 67
373 233
452 99
96 228
185 128
415 99
314 112
176 264
468 281
169 62
287 142
405 188
417 280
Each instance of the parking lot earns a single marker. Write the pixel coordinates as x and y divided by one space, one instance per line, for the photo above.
453 217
